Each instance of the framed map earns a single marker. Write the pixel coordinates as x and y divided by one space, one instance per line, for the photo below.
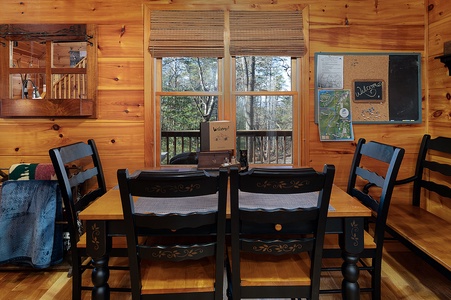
334 115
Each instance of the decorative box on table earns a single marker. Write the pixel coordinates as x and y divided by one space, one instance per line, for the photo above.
217 136
212 160
217 141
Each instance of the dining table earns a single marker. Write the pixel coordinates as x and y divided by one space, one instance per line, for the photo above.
104 220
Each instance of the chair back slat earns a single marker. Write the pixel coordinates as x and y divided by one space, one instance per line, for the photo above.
163 184
440 143
82 176
75 152
372 177
286 182
379 151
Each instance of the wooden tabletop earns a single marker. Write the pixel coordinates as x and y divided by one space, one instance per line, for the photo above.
109 207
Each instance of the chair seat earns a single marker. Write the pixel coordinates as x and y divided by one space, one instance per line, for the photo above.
331 242
165 277
287 270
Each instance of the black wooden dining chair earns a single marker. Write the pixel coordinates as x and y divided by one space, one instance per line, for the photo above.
371 180
81 180
183 216
278 225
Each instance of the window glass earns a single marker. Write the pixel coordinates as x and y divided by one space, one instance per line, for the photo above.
69 55
263 73
264 118
264 128
186 112
190 74
27 54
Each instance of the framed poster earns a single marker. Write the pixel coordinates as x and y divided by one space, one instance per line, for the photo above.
334 115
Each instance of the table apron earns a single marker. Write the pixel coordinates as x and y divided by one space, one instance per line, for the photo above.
99 234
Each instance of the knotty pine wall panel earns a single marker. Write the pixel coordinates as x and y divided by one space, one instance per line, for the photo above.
120 74
120 97
382 13
439 87
119 143
121 105
335 26
67 12
438 11
36 137
439 80
367 38
120 41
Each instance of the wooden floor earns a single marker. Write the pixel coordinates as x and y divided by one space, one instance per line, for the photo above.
404 276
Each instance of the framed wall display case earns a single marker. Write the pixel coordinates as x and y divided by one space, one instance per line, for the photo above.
48 70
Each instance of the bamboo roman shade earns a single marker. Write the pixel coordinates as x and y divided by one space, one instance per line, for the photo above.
266 33
175 33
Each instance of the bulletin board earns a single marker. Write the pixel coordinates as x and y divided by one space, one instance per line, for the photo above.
384 87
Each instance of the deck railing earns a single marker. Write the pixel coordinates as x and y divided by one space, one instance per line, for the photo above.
263 146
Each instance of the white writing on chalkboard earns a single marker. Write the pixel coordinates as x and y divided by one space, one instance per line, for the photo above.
368 90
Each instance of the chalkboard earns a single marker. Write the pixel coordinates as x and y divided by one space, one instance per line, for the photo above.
368 90
384 87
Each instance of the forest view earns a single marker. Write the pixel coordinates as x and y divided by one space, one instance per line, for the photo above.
254 112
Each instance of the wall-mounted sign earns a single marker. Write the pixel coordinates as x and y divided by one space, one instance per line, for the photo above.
368 90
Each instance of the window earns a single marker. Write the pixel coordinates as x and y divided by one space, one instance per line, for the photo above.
253 80
47 62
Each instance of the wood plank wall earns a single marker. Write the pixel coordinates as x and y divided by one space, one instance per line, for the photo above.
439 85
335 26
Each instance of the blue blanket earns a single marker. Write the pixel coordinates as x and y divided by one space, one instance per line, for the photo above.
28 210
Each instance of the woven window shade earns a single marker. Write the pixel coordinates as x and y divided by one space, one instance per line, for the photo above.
265 33
186 33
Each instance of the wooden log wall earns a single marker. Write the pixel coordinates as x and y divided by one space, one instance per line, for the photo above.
335 26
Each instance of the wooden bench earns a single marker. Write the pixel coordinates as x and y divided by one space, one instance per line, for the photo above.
422 231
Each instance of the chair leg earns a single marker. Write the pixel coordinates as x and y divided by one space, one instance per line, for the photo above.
376 279
76 286
76 273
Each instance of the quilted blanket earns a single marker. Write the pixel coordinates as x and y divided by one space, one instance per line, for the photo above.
28 210
27 171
